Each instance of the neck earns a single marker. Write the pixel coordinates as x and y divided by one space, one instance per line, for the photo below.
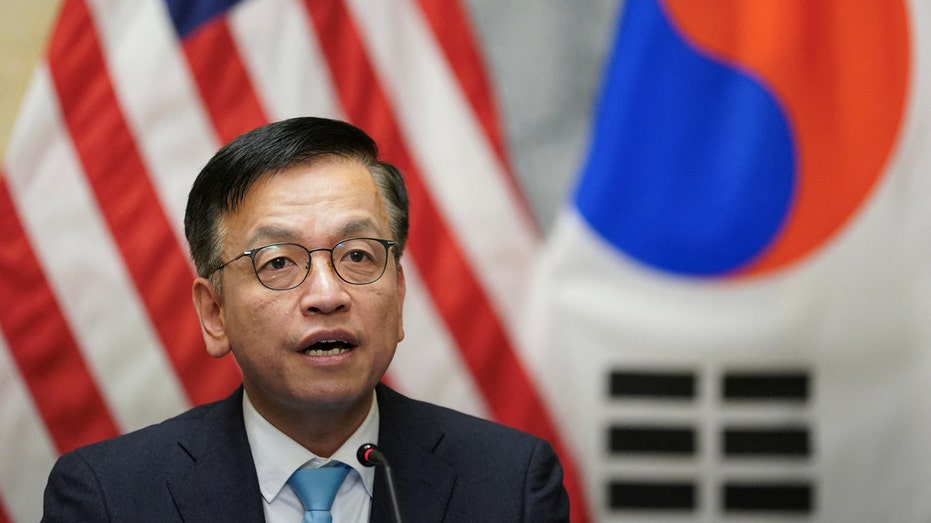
320 429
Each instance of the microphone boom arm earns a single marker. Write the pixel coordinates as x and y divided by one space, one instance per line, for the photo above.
369 456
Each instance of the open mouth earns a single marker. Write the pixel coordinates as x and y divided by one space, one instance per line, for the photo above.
329 348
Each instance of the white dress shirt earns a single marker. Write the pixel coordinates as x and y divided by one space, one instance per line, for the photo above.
277 456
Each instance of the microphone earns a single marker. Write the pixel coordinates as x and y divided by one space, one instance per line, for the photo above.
369 456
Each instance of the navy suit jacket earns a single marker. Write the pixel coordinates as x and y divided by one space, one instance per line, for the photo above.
198 467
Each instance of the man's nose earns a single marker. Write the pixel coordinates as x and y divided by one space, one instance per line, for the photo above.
323 290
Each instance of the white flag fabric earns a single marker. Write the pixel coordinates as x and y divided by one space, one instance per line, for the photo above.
737 291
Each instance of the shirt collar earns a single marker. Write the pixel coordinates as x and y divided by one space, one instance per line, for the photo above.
277 456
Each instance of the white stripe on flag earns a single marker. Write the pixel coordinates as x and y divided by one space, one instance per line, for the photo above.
85 271
279 47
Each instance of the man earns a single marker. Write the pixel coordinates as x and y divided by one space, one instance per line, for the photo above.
297 230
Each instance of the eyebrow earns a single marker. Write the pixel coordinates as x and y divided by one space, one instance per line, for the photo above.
271 233
359 226
277 233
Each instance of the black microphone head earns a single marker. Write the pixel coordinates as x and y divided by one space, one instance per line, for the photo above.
367 454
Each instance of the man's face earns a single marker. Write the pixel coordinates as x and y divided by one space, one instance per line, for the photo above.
269 332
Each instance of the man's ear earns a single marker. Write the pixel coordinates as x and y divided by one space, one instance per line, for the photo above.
209 308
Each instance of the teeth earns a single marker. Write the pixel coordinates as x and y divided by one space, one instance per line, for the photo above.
331 347
331 352
339 348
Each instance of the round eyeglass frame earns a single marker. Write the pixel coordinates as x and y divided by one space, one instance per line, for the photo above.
251 253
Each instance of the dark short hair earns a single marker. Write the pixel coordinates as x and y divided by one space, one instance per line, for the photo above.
223 183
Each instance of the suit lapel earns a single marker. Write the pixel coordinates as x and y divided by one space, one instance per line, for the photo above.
424 482
218 482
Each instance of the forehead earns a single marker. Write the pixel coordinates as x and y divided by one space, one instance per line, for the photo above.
329 197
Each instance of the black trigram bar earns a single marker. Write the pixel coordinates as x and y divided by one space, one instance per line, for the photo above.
783 442
768 497
765 386
654 440
634 495
648 384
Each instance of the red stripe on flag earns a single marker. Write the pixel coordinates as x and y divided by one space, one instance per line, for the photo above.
457 293
42 345
129 202
224 83
452 29
4 516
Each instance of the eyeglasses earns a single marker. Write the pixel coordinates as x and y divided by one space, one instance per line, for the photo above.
284 266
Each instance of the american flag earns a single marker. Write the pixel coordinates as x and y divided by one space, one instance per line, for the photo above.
97 332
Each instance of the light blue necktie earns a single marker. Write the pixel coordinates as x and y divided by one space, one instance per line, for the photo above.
317 489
